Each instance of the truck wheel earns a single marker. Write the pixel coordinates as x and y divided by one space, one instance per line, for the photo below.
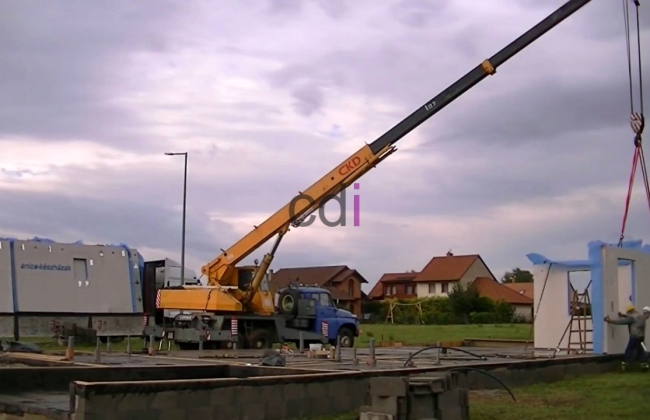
241 343
288 302
260 340
347 337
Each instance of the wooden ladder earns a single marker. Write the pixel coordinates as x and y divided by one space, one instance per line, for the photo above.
581 324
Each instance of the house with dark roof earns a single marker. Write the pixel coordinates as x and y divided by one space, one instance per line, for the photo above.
343 283
395 286
440 274
522 304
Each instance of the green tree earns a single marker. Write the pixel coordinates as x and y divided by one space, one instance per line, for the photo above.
463 301
517 275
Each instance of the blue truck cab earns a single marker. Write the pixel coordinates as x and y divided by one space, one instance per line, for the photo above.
312 311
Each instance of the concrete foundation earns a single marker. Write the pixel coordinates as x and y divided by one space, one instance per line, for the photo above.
155 387
295 396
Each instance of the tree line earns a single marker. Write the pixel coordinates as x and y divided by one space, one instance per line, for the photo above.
462 306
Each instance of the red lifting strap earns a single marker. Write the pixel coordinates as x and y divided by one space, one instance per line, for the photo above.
635 162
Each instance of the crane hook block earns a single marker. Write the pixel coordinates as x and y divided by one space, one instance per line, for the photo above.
637 122
488 67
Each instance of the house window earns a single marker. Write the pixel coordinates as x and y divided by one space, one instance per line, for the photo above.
409 289
351 287
445 287
432 288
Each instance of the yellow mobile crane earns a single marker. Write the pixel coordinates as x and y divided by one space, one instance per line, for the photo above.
234 292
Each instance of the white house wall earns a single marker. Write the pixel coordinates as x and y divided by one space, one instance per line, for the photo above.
523 311
552 308
477 269
615 337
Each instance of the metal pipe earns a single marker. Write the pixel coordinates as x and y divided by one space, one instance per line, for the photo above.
338 348
184 217
442 348
184 154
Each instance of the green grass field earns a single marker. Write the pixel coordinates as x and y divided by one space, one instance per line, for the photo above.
609 396
430 334
624 396
407 334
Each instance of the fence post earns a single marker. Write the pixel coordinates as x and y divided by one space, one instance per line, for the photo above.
69 352
98 351
371 353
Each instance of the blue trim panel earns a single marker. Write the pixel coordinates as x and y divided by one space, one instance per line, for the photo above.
597 294
14 282
131 279
633 285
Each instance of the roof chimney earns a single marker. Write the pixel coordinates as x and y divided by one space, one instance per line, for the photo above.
450 254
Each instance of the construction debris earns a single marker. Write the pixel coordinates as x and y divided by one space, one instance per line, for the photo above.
273 358
416 398
20 347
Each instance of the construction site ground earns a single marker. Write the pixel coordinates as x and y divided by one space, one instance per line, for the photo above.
55 403
386 357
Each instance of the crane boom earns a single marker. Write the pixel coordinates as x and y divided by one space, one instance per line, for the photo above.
221 271
474 76
334 182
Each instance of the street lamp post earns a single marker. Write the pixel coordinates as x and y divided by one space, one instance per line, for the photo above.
184 154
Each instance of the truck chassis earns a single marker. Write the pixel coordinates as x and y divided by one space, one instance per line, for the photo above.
189 330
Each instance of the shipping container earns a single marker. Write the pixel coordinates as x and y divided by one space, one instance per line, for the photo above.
44 283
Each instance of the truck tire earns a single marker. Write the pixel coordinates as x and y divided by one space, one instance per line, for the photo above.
346 336
241 343
288 302
260 340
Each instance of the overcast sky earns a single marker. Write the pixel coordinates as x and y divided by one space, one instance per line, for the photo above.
269 95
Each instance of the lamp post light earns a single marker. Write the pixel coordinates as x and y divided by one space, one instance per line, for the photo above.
184 154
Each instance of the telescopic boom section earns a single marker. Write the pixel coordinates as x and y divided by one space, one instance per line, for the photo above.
478 73
221 270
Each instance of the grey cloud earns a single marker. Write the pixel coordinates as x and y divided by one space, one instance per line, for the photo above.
417 13
309 99
153 223
335 9
61 67
542 109
488 175
598 20
284 6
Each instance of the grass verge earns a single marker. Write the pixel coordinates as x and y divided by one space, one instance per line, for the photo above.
611 396
430 334
407 334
